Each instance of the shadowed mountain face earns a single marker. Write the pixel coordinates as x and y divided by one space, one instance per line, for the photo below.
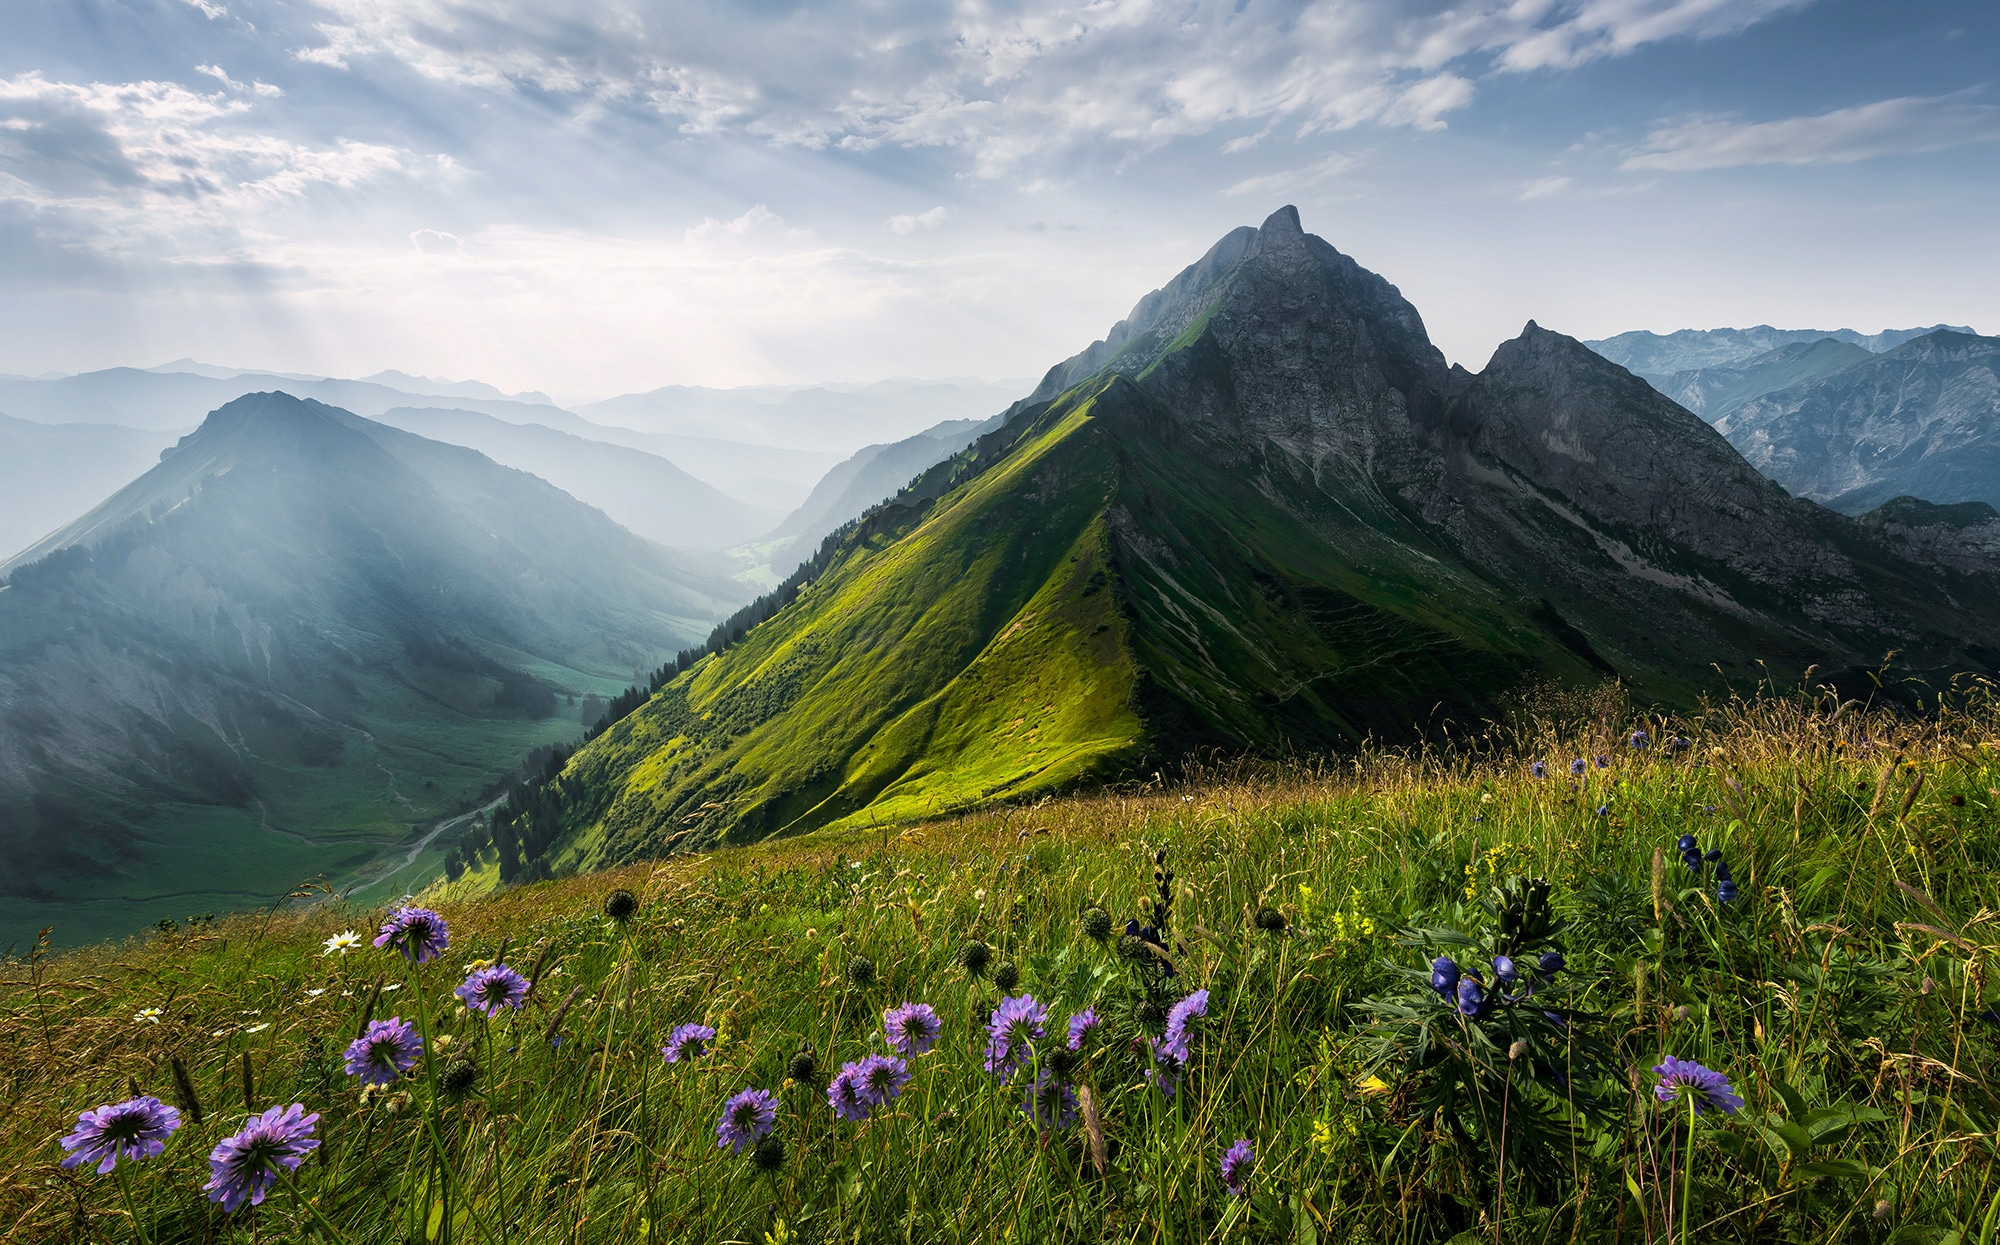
1921 420
1263 513
298 637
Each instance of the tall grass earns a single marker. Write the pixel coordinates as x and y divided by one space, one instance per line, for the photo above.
1849 994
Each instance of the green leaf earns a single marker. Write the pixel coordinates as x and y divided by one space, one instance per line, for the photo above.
1834 1167
1795 1103
1798 1143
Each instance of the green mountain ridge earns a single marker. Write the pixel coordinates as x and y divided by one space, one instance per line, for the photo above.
296 640
1261 514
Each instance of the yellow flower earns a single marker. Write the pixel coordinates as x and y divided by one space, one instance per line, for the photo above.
343 942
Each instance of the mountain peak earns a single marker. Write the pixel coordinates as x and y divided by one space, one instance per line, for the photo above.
1283 221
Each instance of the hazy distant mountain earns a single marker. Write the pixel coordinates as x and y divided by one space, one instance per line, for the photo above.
1656 356
1712 392
297 637
1921 420
641 491
435 388
1263 513
852 487
50 473
826 417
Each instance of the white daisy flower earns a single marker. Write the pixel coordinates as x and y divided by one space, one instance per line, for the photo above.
343 942
258 1028
148 1015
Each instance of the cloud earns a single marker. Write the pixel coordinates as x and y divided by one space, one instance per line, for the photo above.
910 224
1543 188
1293 179
1597 29
1890 127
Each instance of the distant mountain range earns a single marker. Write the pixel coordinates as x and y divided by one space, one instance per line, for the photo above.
297 638
1657 356
1847 420
50 473
1263 513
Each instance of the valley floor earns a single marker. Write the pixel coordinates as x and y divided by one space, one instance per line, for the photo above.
1830 950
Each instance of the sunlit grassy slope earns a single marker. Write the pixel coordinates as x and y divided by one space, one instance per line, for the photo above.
1077 597
1845 993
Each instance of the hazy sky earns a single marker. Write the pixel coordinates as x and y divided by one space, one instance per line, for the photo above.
599 197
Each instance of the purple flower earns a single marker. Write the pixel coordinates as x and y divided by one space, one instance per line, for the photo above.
493 989
1579 766
878 1079
1503 968
747 1118
687 1042
1640 739
420 934
1550 964
1164 1072
1539 770
1684 1079
1080 1026
1603 762
912 1028
1050 1103
1175 1041
844 1094
244 1167
1725 891
384 1052
1471 996
1237 1164
134 1129
1011 1032
1604 810
1686 844
1444 976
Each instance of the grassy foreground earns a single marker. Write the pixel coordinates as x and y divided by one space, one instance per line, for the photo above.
1848 993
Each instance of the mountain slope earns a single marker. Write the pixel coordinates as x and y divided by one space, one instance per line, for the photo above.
1261 514
640 491
1656 356
1712 392
51 472
1922 420
296 639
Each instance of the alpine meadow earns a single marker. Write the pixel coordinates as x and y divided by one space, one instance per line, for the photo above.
825 742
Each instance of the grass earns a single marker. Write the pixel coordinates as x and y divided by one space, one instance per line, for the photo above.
1844 994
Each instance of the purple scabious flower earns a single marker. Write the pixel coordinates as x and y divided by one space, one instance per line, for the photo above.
134 1129
1175 1041
1539 769
1603 762
384 1052
1080 1027
1164 1072
1050 1103
1579 767
243 1168
1444 976
912 1028
687 1042
1237 1164
880 1079
1640 739
1685 1079
420 934
1011 1033
493 989
747 1118
844 1094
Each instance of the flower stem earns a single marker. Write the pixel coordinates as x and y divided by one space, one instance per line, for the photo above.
1687 1169
125 1191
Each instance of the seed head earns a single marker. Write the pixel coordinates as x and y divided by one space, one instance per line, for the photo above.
621 905
1133 948
860 972
1096 924
1006 976
458 1077
769 1155
974 956
802 1068
1270 920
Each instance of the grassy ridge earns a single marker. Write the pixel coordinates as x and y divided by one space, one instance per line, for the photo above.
1844 994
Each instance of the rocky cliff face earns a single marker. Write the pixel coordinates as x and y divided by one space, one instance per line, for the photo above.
1923 420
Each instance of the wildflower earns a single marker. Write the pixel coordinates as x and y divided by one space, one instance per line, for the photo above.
1164 1072
148 1015
1080 1026
1175 1041
1011 1029
458 1077
1270 920
1603 762
620 905
974 956
860 972
1579 767
1725 891
1096 924
1050 1103
1604 810
687 1042
1550 964
1444 976
493 989
879 1079
1640 739
135 1129
802 1067
912 1028
1006 976
1237 1163
1539 770
1471 996
340 944
844 1095
1503 968
384 1051
243 1168
1684 1079
1686 844
420 934
747 1118
769 1156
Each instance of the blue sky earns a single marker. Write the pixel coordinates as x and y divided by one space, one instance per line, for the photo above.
592 198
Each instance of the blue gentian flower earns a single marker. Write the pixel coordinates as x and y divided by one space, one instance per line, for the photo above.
1550 964
1444 976
1726 891
1604 810
1686 844
1471 996
1712 855
1503 968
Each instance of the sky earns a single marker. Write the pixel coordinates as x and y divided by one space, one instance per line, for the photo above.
588 198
